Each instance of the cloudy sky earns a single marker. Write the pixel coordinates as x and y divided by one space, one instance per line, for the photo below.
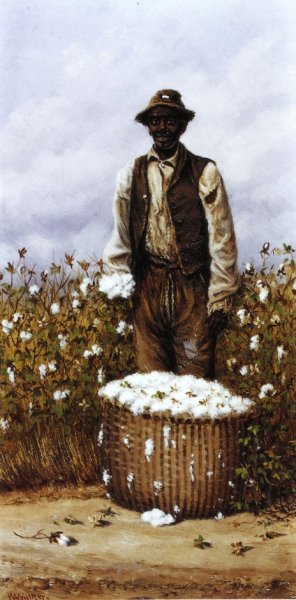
75 72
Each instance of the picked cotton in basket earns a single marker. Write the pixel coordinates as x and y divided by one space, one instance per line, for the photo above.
160 391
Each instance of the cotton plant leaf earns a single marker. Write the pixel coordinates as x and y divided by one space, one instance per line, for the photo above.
201 543
97 521
239 549
71 520
270 535
107 511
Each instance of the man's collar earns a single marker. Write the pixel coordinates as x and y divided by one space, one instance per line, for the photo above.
172 160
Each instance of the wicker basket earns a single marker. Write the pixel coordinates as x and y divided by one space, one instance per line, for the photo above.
192 466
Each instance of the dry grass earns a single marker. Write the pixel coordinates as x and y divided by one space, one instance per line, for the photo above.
52 456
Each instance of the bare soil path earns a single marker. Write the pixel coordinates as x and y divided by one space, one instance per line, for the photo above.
132 560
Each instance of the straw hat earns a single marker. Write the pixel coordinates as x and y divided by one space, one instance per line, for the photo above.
169 98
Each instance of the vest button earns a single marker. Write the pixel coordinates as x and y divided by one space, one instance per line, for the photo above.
145 196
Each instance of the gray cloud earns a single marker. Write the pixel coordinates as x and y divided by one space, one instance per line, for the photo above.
75 74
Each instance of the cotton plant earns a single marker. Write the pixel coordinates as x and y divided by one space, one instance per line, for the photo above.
262 325
58 333
258 359
257 349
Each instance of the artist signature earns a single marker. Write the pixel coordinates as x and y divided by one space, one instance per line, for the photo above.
29 596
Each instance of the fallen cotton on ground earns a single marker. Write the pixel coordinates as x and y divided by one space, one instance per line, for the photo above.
157 518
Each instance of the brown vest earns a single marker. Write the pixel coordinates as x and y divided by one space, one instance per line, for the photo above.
186 210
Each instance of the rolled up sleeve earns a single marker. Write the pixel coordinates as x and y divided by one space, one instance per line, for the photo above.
117 252
224 278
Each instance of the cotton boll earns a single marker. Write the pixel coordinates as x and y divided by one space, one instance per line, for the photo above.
266 390
219 516
86 282
33 290
116 285
149 448
158 487
55 308
63 540
263 295
166 435
130 478
157 518
106 477
101 436
11 375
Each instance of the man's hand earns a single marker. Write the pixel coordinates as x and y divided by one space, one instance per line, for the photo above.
217 321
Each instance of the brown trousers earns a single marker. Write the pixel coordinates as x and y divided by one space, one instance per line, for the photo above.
170 318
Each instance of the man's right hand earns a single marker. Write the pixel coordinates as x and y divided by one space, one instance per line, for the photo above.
217 321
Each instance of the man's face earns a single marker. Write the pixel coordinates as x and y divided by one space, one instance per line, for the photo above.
166 126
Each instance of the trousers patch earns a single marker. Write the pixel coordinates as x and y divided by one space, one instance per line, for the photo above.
191 349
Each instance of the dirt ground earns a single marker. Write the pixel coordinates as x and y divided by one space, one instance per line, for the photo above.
129 559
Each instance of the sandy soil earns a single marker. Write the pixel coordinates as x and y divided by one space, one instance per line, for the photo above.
131 560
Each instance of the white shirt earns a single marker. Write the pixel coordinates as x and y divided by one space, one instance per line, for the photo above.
160 235
224 279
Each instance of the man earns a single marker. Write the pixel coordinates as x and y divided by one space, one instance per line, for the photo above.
173 230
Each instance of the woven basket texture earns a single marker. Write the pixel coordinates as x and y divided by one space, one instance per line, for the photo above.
192 466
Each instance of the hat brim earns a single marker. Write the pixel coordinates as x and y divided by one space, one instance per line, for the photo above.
142 116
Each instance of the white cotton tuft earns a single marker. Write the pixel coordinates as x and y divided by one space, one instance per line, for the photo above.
86 282
55 308
266 391
7 326
263 294
117 285
33 290
157 518
149 448
219 516
121 327
11 375
42 370
166 435
101 436
106 477
17 316
63 540
244 370
158 487
25 336
130 478
254 342
280 352
4 424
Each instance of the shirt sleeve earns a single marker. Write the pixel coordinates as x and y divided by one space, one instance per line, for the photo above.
224 276
117 252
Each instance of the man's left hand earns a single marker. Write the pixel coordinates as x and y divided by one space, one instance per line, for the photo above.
217 321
